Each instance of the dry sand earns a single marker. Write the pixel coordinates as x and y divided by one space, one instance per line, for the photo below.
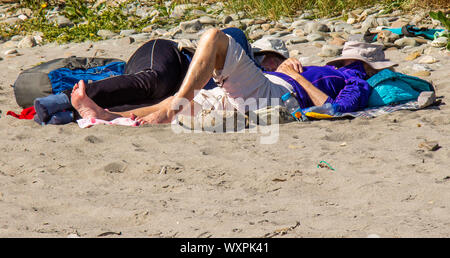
59 181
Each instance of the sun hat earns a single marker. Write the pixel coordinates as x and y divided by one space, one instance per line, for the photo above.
270 45
372 54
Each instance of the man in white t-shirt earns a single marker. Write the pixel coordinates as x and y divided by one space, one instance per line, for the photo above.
242 84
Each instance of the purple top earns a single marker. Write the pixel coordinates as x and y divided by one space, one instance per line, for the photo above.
346 88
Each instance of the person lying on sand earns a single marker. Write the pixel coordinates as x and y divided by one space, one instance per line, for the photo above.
154 72
240 79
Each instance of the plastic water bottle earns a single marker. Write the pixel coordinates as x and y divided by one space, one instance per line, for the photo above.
291 104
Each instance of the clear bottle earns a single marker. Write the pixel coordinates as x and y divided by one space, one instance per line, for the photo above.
291 104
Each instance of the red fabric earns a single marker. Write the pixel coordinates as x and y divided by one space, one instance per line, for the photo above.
27 113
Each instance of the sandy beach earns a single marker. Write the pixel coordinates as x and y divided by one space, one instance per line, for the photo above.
62 181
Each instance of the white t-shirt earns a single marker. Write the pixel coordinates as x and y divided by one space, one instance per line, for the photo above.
242 85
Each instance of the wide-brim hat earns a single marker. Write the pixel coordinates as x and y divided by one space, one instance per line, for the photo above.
270 45
371 54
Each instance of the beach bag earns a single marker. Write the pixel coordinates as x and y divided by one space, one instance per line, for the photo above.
390 87
57 75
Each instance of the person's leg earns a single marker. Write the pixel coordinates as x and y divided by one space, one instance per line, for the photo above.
209 56
154 72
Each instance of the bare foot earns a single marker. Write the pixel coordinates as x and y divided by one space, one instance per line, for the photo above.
86 106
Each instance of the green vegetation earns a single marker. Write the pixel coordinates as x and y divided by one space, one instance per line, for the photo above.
87 21
440 16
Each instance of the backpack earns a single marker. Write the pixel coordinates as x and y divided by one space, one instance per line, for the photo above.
390 87
57 75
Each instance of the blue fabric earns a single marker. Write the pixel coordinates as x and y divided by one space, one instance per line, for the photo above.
426 33
391 87
65 78
346 89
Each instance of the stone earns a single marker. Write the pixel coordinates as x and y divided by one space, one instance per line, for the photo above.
63 21
426 98
351 20
299 24
27 42
343 27
12 21
191 26
413 55
125 41
265 27
127 33
421 41
106 34
314 27
440 42
23 17
421 74
142 37
9 44
429 145
337 41
427 60
148 29
368 23
330 51
314 37
421 67
386 36
10 52
180 10
296 41
398 24
227 19
299 32
406 41
207 20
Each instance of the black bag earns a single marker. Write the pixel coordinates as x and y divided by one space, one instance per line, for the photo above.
34 82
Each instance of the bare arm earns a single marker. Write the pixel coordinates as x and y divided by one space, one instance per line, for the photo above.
317 96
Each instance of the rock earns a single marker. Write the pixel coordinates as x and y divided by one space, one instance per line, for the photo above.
314 27
343 27
337 41
351 20
148 29
10 52
386 36
197 12
299 32
227 19
426 98
403 42
421 41
370 22
27 42
191 26
265 27
9 44
398 24
142 37
296 41
421 67
330 51
429 145
12 21
127 33
23 17
63 21
299 24
421 74
440 42
207 20
106 34
314 37
38 39
180 10
382 22
413 55
294 53
427 60
356 37
124 41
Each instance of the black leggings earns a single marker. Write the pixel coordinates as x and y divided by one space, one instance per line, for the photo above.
154 72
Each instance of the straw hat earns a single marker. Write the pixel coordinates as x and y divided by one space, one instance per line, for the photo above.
372 54
270 45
